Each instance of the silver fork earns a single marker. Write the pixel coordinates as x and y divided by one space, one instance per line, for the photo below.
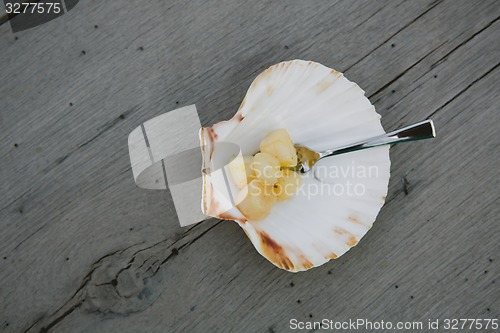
422 130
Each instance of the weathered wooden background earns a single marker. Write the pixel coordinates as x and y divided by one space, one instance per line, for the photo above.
82 249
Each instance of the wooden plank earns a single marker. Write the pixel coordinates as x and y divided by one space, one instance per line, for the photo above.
427 260
68 202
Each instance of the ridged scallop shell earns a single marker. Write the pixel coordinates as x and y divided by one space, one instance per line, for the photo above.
321 109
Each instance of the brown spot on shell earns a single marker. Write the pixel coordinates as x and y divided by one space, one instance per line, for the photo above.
204 201
352 241
212 134
340 231
263 75
325 83
354 219
239 117
242 103
306 263
274 252
227 216
270 90
246 233
332 256
282 65
211 206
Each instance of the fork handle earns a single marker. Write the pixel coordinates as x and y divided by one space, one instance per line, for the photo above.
421 130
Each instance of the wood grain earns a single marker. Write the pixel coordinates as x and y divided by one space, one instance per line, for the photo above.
83 250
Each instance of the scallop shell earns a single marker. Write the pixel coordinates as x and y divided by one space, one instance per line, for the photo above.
320 109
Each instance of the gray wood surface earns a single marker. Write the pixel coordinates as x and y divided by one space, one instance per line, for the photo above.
82 249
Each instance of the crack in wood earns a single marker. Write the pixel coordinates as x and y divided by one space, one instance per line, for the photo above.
434 65
16 199
187 244
87 277
162 241
61 317
34 323
31 235
109 125
463 90
151 267
403 97
106 127
405 185
198 237
406 71
443 58
394 34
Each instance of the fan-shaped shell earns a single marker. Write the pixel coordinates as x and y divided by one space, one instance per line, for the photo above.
320 109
